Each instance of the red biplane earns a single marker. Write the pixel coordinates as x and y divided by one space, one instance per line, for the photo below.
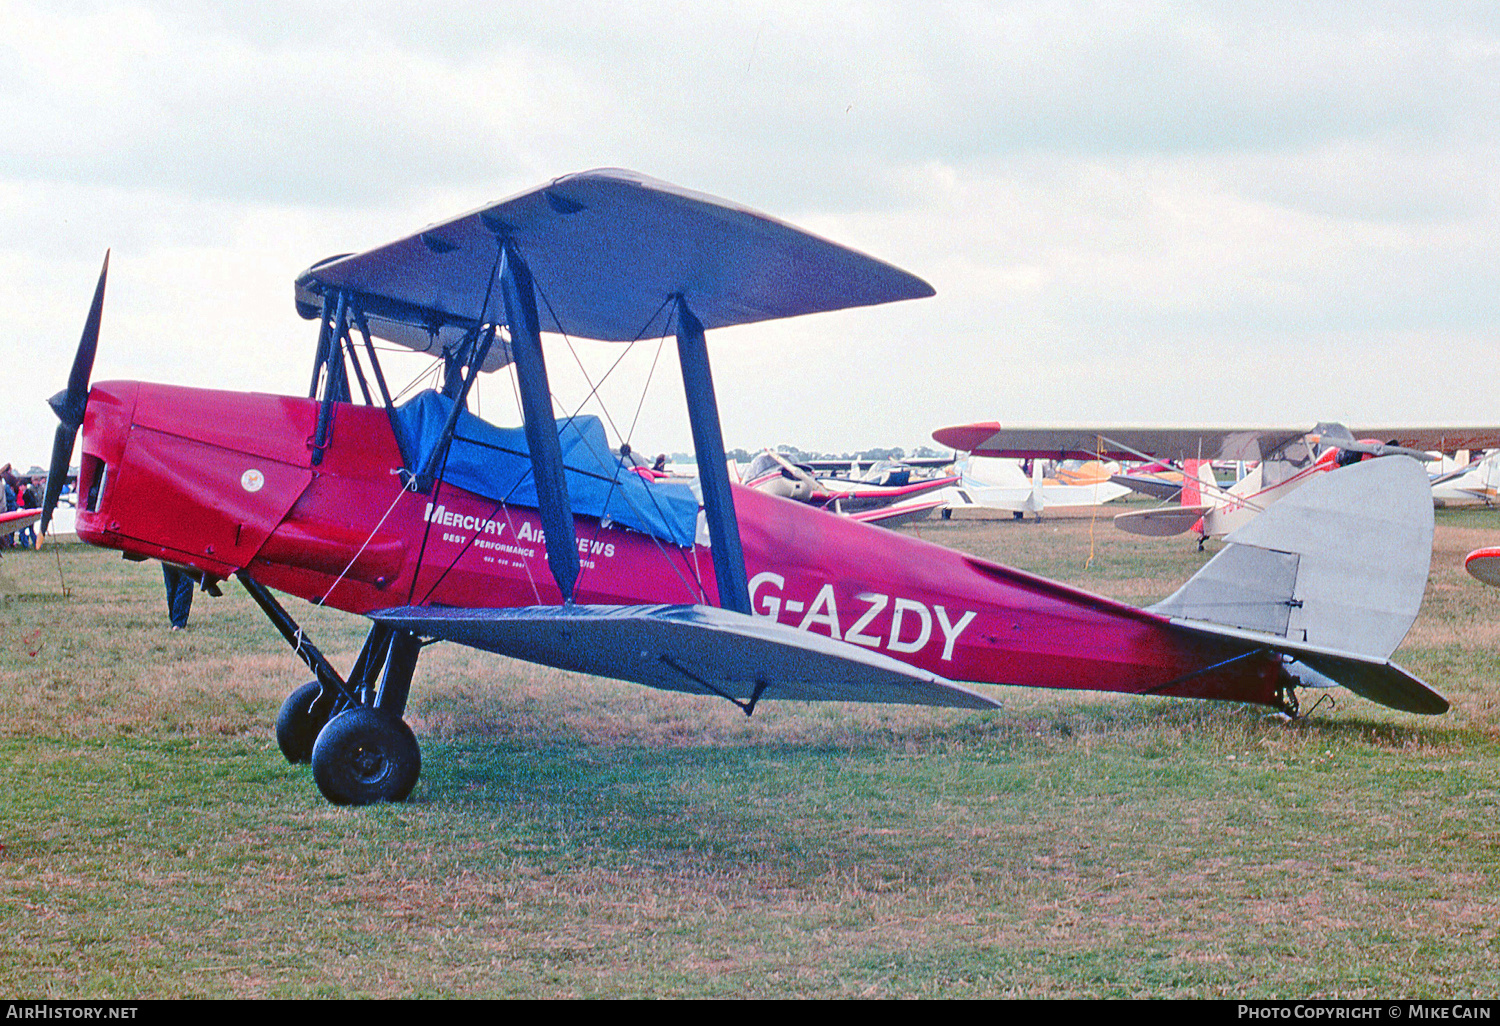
438 526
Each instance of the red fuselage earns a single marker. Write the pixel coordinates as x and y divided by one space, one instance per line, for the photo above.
226 481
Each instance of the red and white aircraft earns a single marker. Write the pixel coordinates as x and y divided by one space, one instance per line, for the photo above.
1284 459
889 504
539 542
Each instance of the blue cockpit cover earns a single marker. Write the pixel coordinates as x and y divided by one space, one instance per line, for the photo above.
496 463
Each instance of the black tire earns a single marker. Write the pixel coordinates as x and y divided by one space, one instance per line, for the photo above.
365 756
296 725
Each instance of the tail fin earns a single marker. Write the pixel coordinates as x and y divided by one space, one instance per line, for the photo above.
1034 501
1332 576
1199 486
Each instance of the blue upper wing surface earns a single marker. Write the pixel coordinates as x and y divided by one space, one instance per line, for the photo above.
608 249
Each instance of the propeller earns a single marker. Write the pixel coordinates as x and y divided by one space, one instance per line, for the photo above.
1341 437
71 402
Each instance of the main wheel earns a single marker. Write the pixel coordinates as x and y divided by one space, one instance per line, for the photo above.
365 756
297 726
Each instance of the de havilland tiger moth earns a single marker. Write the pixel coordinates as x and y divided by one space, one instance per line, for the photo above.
436 525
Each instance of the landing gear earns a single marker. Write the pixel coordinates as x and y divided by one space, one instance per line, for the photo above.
366 755
1286 698
351 731
298 723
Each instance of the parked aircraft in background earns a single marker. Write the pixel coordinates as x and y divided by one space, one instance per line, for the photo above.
886 495
1476 484
1284 460
1006 484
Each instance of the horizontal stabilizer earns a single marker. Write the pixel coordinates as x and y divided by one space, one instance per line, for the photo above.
696 649
1161 523
902 513
17 520
1484 564
1379 680
1163 488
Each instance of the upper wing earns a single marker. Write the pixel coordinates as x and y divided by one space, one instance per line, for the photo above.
1435 439
608 249
1127 443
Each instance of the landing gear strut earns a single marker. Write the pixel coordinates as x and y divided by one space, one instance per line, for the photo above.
351 731
1287 702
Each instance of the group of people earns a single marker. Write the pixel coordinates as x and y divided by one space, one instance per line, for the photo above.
21 492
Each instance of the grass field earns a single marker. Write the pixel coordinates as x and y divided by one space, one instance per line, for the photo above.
578 837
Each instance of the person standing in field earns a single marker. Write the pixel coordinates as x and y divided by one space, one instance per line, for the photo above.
11 482
29 497
179 595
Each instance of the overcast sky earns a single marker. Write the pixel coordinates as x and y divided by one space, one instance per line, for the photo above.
1155 213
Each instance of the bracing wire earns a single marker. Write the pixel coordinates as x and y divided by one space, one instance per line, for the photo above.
694 585
406 487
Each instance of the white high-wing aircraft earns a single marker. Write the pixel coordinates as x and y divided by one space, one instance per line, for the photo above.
1284 458
1475 484
1003 484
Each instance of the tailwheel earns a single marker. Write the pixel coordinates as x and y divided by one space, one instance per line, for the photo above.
1286 701
365 755
298 723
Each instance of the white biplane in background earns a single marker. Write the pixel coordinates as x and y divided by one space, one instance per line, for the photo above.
1282 459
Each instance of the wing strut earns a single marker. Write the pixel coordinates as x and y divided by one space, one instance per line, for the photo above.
713 477
541 428
330 361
